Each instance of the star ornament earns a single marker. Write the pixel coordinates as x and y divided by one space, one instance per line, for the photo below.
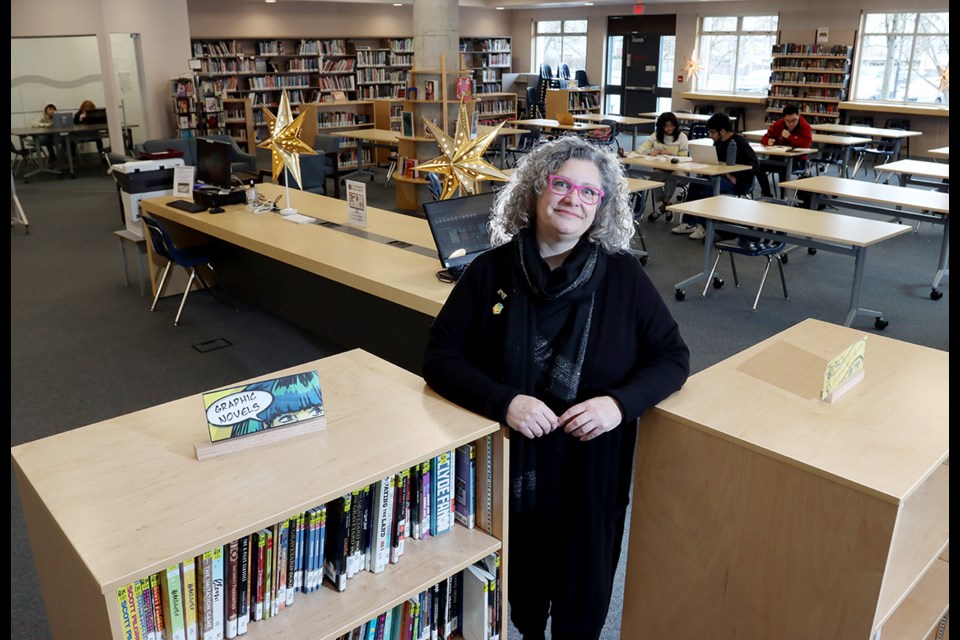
462 163
284 142
944 78
692 67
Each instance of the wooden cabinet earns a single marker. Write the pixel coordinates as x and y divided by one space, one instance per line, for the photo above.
489 59
760 511
571 101
814 77
125 498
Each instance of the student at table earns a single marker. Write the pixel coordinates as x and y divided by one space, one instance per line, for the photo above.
45 119
793 131
737 183
80 117
667 139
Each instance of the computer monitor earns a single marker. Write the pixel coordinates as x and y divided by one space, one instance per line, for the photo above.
213 163
459 228
96 116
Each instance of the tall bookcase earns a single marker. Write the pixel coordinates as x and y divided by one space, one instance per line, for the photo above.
571 101
489 59
183 101
815 77
125 498
238 122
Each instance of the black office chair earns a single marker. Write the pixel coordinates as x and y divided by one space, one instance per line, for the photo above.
525 143
313 173
882 150
698 130
751 246
187 257
903 124
609 136
581 77
535 106
329 146
21 156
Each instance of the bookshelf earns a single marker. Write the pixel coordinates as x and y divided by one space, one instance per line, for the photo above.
386 115
814 77
752 495
489 59
118 500
495 107
183 100
238 121
576 101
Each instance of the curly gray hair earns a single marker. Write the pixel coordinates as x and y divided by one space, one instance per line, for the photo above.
515 206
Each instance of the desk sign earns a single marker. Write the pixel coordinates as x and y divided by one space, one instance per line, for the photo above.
266 411
356 203
844 371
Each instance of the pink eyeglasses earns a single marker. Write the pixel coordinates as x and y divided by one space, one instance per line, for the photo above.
563 186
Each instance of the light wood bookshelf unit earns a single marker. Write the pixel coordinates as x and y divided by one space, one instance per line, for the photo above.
760 511
489 59
124 498
239 122
813 77
575 101
386 115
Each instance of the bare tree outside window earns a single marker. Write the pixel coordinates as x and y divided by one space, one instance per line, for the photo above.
904 57
559 41
735 53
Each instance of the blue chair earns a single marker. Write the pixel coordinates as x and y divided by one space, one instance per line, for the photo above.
187 257
313 172
434 184
581 77
535 106
751 246
564 71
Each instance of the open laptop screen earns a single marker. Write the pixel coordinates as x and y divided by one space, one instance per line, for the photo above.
459 228
96 116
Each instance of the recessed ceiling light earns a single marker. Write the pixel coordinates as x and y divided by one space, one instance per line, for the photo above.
270 1
588 4
397 4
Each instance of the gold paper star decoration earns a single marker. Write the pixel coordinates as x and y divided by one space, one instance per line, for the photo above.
692 67
284 141
944 78
462 163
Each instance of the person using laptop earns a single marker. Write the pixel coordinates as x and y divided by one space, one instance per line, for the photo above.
666 140
732 148
80 117
558 332
47 140
791 130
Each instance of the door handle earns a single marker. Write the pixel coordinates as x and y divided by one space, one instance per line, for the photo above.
648 89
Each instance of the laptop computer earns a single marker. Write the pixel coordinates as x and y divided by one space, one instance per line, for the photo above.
565 118
459 229
61 119
96 116
704 154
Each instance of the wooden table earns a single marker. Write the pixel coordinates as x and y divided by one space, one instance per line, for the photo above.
897 135
761 512
374 288
623 121
920 172
784 155
846 235
65 134
942 153
551 124
697 173
886 199
845 142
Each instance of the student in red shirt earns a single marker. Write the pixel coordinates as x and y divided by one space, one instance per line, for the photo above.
790 131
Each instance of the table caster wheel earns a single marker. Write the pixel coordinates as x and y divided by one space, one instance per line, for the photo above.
812 251
680 295
936 294
785 258
717 282
653 216
668 216
880 323
644 260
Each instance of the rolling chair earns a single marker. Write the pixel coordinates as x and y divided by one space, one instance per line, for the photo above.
313 172
20 157
187 257
751 246
329 147
607 137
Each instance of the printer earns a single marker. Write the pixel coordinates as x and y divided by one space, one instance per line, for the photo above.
139 179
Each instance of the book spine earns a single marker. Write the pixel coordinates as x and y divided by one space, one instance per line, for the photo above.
159 618
280 577
401 506
205 594
269 569
172 587
426 495
466 483
366 531
337 543
292 534
416 482
443 494
230 589
146 610
298 583
125 602
219 599
256 600
321 540
243 584
189 577
314 560
356 525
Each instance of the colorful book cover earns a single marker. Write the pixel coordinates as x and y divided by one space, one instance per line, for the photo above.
269 571
268 404
442 510
298 583
145 609
401 505
283 532
464 89
160 624
337 543
219 598
230 588
426 497
188 573
257 577
170 583
383 522
398 621
125 600
321 541
356 528
205 594
243 584
416 482
291 586
466 485
366 529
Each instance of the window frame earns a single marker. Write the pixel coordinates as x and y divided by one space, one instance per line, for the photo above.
862 34
562 35
738 32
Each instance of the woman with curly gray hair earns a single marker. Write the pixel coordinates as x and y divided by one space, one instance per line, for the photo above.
558 333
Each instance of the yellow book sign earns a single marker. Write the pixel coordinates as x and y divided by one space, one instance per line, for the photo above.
844 371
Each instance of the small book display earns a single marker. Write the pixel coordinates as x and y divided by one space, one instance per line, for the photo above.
260 412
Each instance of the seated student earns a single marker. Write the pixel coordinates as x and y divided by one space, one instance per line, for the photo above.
668 140
80 117
792 130
738 183
45 119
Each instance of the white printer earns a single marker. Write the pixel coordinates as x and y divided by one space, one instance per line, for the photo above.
139 179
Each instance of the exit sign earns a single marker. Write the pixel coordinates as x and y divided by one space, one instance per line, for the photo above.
637 9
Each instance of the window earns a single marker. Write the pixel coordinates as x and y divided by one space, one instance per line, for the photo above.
904 57
735 53
557 41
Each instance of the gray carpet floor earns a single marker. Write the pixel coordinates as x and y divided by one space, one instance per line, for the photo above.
84 347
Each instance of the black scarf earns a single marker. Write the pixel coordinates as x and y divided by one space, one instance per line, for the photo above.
547 331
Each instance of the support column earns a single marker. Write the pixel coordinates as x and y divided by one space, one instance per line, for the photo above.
436 30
